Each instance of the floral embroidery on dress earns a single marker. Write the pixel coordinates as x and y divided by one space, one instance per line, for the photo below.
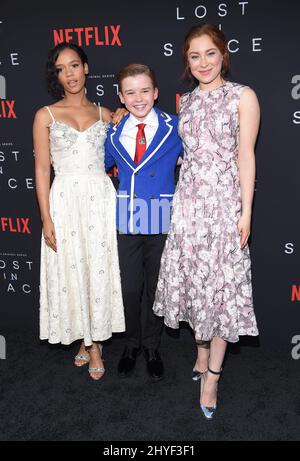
80 286
96 134
63 135
205 276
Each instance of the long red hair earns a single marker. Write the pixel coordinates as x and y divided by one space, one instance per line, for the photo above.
218 39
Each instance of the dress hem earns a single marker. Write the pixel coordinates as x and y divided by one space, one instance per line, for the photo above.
231 340
89 343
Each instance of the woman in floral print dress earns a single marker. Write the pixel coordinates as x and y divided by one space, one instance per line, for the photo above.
205 274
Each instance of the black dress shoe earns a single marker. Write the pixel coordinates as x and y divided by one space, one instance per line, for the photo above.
155 366
127 362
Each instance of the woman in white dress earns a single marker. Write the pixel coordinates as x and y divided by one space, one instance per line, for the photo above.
80 289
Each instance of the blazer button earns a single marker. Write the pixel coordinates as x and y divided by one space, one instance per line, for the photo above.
135 196
152 174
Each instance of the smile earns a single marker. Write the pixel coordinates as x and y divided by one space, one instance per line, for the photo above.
205 72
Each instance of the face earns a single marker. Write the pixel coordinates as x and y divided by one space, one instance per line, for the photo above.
205 62
138 95
70 71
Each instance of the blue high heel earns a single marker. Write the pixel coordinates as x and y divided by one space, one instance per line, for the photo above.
209 412
196 374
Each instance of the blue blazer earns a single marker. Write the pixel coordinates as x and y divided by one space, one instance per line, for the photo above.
145 190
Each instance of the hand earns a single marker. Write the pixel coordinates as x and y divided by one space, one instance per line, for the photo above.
244 229
49 234
118 115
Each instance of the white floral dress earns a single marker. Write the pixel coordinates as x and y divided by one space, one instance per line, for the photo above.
205 276
80 287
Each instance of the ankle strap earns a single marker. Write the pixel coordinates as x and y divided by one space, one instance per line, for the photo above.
95 348
214 372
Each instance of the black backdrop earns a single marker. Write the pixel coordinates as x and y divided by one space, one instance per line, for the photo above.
264 43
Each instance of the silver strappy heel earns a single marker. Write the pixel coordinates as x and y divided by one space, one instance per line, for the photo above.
85 358
97 369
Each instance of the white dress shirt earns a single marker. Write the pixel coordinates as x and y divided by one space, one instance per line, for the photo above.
130 129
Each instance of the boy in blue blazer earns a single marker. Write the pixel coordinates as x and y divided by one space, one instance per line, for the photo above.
145 146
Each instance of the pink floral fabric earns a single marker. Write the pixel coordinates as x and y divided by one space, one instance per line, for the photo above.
205 276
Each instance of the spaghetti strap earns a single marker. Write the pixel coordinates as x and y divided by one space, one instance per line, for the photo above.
100 112
53 119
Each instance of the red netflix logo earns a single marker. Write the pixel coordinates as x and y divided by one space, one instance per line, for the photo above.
295 293
113 173
99 36
19 225
178 95
7 109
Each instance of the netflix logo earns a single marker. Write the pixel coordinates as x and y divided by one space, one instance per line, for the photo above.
177 96
113 173
295 293
7 109
94 35
19 225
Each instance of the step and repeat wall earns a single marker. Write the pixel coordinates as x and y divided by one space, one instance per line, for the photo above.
264 39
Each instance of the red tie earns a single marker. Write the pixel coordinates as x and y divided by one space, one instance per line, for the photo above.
140 146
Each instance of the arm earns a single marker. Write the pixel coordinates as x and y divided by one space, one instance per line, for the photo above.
114 117
249 116
106 114
181 154
109 160
119 113
42 173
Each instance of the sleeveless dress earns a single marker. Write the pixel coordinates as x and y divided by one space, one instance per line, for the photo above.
80 286
205 276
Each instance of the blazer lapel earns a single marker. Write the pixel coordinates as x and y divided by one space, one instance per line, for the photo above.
115 140
162 133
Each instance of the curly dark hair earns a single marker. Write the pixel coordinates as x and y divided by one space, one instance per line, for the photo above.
54 87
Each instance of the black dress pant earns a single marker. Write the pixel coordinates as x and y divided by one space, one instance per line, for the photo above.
139 257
